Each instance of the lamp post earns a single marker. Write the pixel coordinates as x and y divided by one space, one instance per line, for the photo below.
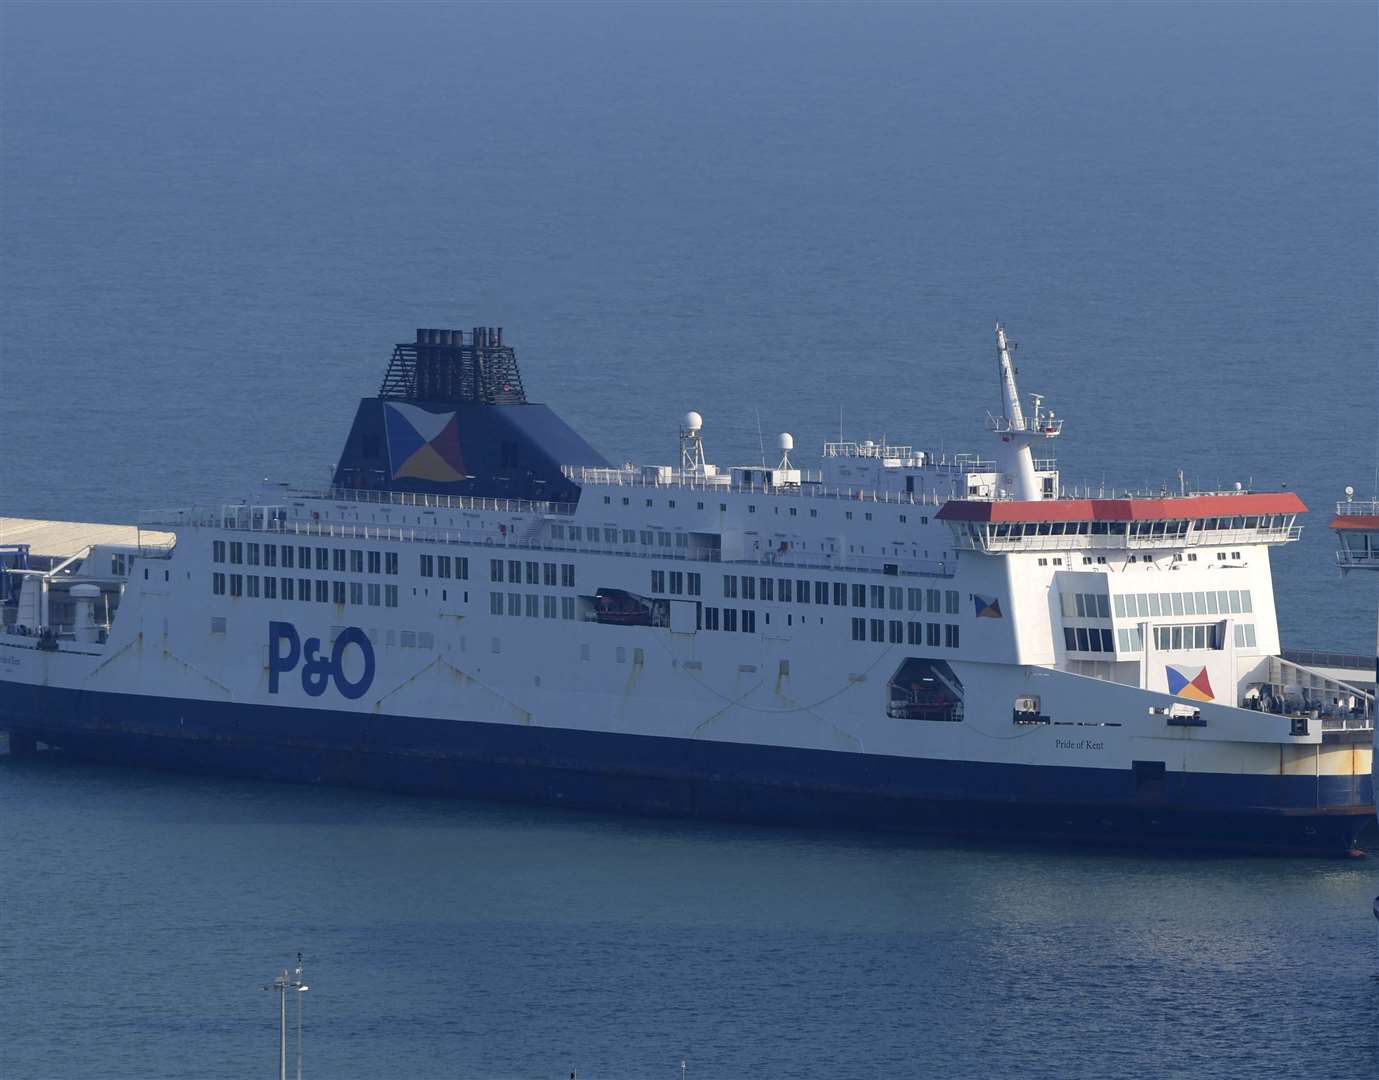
282 984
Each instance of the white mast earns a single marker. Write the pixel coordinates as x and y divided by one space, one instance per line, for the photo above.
1018 432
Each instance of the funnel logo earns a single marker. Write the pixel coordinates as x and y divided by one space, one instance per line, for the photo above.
423 445
1189 682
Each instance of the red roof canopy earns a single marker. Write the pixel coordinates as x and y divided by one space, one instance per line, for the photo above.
1176 509
1367 522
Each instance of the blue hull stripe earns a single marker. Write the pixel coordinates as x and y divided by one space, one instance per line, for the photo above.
683 777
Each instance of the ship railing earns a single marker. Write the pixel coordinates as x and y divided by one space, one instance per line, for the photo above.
423 500
1358 508
1318 658
1124 541
273 524
809 488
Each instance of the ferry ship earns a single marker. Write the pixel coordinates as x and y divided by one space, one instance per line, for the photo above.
481 605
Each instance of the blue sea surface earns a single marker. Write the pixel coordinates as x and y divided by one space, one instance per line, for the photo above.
217 218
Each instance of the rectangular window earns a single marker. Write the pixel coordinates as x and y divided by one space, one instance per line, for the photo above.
287 585
950 603
303 558
356 592
218 584
859 596
322 591
1070 639
931 634
236 584
442 566
896 598
270 554
533 570
236 551
711 618
375 594
217 551
1154 608
729 618
878 629
1080 604
749 588
322 558
785 590
304 589
270 584
495 569
914 599
375 562
840 594
495 603
729 587
658 581
548 577
950 635
878 596
1250 635
1120 605
251 554
428 566
548 607
1082 645
1106 645
802 591
897 632
287 553
1177 599
514 603
337 560
692 584
767 589
859 629
532 604
356 561
1245 607
749 621
677 582
821 592
390 562
567 575
390 596
337 592
914 633
931 601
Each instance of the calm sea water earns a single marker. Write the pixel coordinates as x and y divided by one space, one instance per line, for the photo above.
216 219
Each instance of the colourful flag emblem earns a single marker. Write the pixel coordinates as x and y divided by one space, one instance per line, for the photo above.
988 607
423 445
1189 682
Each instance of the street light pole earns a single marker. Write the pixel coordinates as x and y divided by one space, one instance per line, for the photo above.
282 984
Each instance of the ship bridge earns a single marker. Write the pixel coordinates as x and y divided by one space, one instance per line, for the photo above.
1356 526
1216 519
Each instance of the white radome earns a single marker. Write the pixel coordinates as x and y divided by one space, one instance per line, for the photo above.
787 441
693 421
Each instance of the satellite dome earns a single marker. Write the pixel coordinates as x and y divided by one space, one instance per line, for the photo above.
693 421
787 441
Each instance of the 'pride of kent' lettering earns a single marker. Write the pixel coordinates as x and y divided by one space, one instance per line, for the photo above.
286 650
